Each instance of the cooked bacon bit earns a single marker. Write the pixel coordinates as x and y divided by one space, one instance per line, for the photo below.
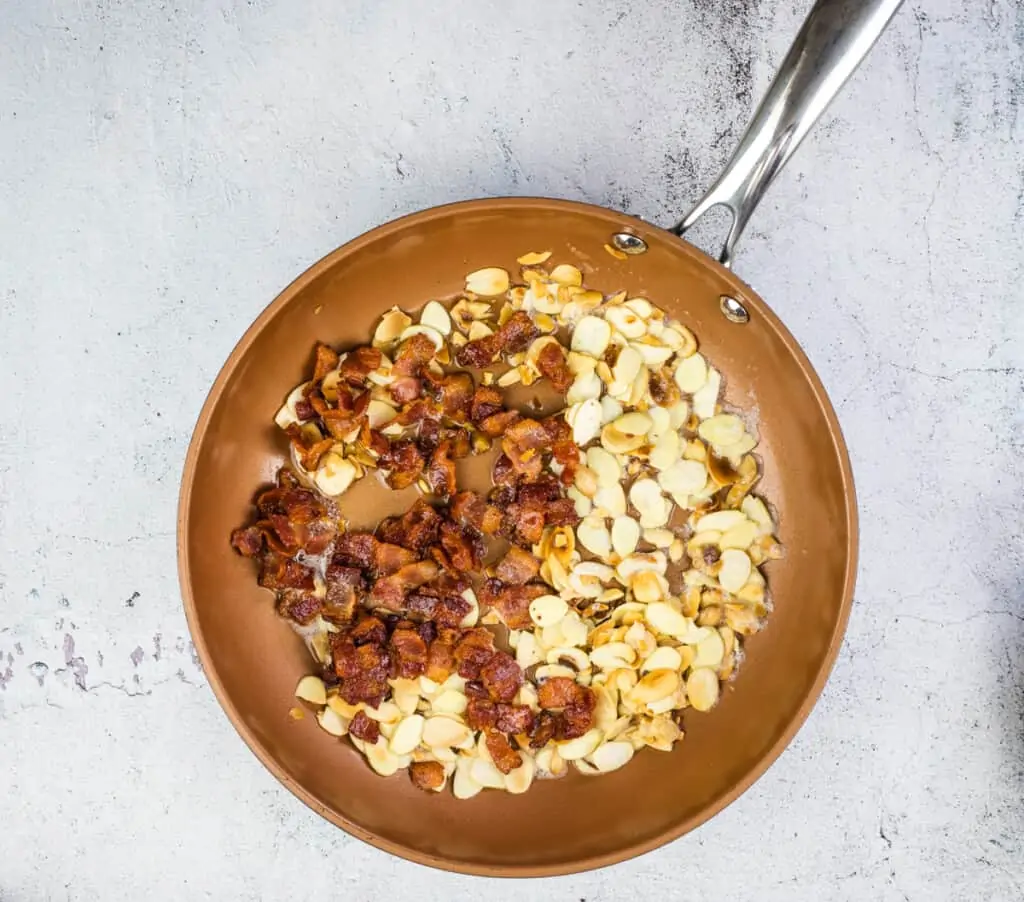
506 758
498 423
517 567
369 630
517 333
319 536
414 353
390 591
456 393
481 713
363 727
427 631
415 413
427 774
340 424
470 509
551 363
479 353
326 359
486 402
463 546
561 513
461 442
523 443
475 689
441 657
502 677
388 558
544 730
359 363
405 463
422 604
304 410
247 541
354 549
363 670
474 650
405 389
512 602
416 529
451 610
578 718
408 654
540 492
514 719
309 444
300 606
441 471
341 601
523 524
281 573
557 692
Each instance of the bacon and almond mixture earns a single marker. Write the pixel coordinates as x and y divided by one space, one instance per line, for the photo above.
629 541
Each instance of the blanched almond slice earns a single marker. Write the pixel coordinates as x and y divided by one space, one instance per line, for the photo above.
593 536
636 423
610 409
379 413
635 563
331 722
685 477
625 535
655 686
612 656
569 657
648 586
488 282
735 570
312 689
342 708
520 779
485 774
580 747
391 326
548 671
591 336
580 501
450 701
405 694
381 758
445 732
463 784
702 688
710 651
654 355
534 258
611 756
665 619
547 610
334 475
626 322
663 658
736 450
719 521
586 481
666 451
585 421
574 630
660 538
436 316
567 274
705 400
611 499
617 442
742 536
756 510
646 497
527 652
385 712
586 386
606 707
478 330
691 374
605 466
722 429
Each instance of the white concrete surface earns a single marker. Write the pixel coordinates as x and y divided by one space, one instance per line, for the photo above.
165 168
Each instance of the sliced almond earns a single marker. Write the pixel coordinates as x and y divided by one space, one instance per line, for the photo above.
665 619
663 658
574 630
735 570
611 500
756 510
381 758
534 258
683 478
580 747
334 474
625 321
742 536
380 413
486 774
518 780
391 326
436 316
655 686
722 429
463 784
705 399
451 701
625 535
702 688
654 509
312 689
445 732
691 373
591 336
654 354
585 421
547 610
585 387
667 450
407 735
719 521
488 282
636 423
593 535
648 587
527 652
332 722
612 656
611 756
605 466
710 651
478 330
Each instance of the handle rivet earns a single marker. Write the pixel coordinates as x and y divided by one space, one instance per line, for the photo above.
629 243
733 310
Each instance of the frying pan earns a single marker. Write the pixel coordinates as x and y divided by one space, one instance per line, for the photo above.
253 660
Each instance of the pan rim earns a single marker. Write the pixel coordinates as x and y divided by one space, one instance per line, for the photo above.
466 866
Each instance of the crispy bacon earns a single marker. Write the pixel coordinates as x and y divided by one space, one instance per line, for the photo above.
578 717
512 602
497 424
514 719
362 727
457 391
557 692
325 360
479 353
428 775
481 713
486 402
408 654
523 444
282 573
552 364
544 729
451 610
341 598
416 529
247 541
370 630
524 524
470 509
441 656
517 333
405 389
301 607
474 649
505 758
363 670
502 677
463 546
413 355
340 423
441 470
353 549
390 591
405 463
359 363
517 567
388 558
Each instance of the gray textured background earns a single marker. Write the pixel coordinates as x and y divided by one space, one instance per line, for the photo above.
166 168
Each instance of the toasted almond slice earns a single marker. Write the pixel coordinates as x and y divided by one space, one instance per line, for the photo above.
391 326
660 538
463 784
663 658
612 656
527 652
617 442
381 758
486 774
380 414
547 610
735 570
626 321
625 535
683 478
610 409
569 657
702 688
636 423
647 586
754 508
548 671
666 451
473 615
332 722
450 701
488 282
518 780
665 619
635 563
691 374
574 630
312 689
719 521
436 316
591 336
334 474
655 686
406 694
741 536
585 387
566 274
611 756
705 399
645 495
605 466
478 330
533 258
593 535
385 712
585 422
611 500
445 732
710 651
722 429
580 747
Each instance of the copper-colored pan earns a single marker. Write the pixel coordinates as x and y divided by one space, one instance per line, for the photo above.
253 659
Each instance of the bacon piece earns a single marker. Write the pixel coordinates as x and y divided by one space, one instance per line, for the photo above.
463 546
451 610
427 631
544 729
561 513
408 654
370 630
470 509
557 692
523 444
247 541
413 355
456 392
441 470
517 333
428 775
517 567
578 717
363 670
552 364
441 657
304 411
388 558
505 758
416 529
301 607
498 423
340 424
486 402
479 353
415 413
353 549
502 677
325 360
319 536
539 492
512 602
405 389
524 524
359 363
390 591
282 573
365 728
474 649
342 598
421 603
514 719
405 463
481 713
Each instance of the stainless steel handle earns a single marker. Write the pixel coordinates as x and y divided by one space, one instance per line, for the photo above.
835 37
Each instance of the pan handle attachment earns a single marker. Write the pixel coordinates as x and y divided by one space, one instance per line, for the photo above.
835 37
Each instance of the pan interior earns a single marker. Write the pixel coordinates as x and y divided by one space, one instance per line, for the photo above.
254 660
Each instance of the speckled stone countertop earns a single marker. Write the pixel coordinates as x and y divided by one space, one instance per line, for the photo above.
167 168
